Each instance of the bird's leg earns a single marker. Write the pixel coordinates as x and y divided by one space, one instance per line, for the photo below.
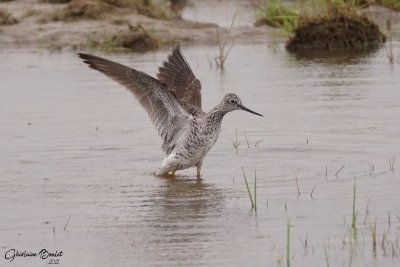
198 165
172 173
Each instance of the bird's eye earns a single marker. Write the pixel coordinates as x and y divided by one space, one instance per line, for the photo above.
232 101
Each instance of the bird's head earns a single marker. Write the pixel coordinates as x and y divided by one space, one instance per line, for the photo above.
232 102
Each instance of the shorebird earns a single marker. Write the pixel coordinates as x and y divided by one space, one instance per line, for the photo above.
173 103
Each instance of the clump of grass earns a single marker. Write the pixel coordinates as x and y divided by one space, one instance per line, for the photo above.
6 18
337 32
328 24
252 200
277 14
136 39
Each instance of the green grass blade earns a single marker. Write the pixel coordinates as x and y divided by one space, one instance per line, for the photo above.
255 189
354 216
248 189
288 244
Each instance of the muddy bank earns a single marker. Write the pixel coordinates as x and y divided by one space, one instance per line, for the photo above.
338 32
43 25
6 18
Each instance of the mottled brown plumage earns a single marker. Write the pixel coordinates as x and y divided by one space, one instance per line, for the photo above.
178 75
162 106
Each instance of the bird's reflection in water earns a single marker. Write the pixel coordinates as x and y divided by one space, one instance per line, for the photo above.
185 210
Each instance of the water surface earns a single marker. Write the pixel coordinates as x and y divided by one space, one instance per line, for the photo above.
76 145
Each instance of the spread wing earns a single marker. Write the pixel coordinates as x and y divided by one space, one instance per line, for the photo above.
162 106
176 73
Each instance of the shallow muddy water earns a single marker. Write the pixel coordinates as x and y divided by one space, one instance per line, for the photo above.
221 12
78 153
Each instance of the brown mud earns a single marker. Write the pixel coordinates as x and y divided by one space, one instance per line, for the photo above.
81 25
82 10
338 32
107 26
6 18
136 39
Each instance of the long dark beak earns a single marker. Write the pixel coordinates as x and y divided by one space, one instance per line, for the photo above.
249 110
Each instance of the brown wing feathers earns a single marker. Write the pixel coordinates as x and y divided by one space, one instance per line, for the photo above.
177 74
168 101
161 104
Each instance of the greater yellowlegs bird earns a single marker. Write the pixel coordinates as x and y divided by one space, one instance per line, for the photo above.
173 103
